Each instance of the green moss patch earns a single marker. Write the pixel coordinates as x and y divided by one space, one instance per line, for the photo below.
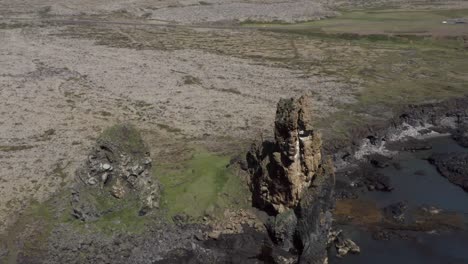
126 136
201 185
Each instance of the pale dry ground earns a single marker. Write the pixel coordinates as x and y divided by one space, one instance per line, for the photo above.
58 93
209 11
183 11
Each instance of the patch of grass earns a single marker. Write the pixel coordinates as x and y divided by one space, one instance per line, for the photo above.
126 136
201 184
122 216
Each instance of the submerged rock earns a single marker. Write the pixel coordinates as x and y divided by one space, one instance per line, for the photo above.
377 181
396 211
379 160
453 166
116 175
292 181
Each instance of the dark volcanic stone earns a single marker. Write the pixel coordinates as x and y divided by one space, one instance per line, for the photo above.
461 136
379 161
396 211
281 229
314 222
377 181
453 166
366 176
250 246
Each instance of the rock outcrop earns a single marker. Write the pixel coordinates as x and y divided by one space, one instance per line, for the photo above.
116 176
282 170
293 182
453 166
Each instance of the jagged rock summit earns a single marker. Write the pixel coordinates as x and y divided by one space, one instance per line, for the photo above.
282 170
293 182
116 176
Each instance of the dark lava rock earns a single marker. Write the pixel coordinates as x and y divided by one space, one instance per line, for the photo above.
250 246
379 161
344 189
461 136
281 229
314 220
377 181
396 211
453 166
365 176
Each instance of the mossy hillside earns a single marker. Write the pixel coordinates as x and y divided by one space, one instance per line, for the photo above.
201 185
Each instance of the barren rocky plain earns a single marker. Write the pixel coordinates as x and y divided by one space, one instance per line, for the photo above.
200 81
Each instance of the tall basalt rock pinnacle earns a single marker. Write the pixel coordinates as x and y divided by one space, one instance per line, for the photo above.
282 170
293 182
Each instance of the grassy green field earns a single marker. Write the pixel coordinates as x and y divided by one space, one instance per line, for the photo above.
380 22
201 185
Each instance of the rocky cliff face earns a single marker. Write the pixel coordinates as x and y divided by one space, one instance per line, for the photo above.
282 170
293 182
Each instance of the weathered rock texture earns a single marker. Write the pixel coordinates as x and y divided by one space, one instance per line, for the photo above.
292 181
115 176
453 166
283 170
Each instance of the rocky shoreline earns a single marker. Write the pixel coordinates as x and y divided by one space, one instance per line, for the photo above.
377 149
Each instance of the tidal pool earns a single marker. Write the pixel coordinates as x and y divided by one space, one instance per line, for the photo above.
418 183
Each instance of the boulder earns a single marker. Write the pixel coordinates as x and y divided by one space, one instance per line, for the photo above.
377 181
343 245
